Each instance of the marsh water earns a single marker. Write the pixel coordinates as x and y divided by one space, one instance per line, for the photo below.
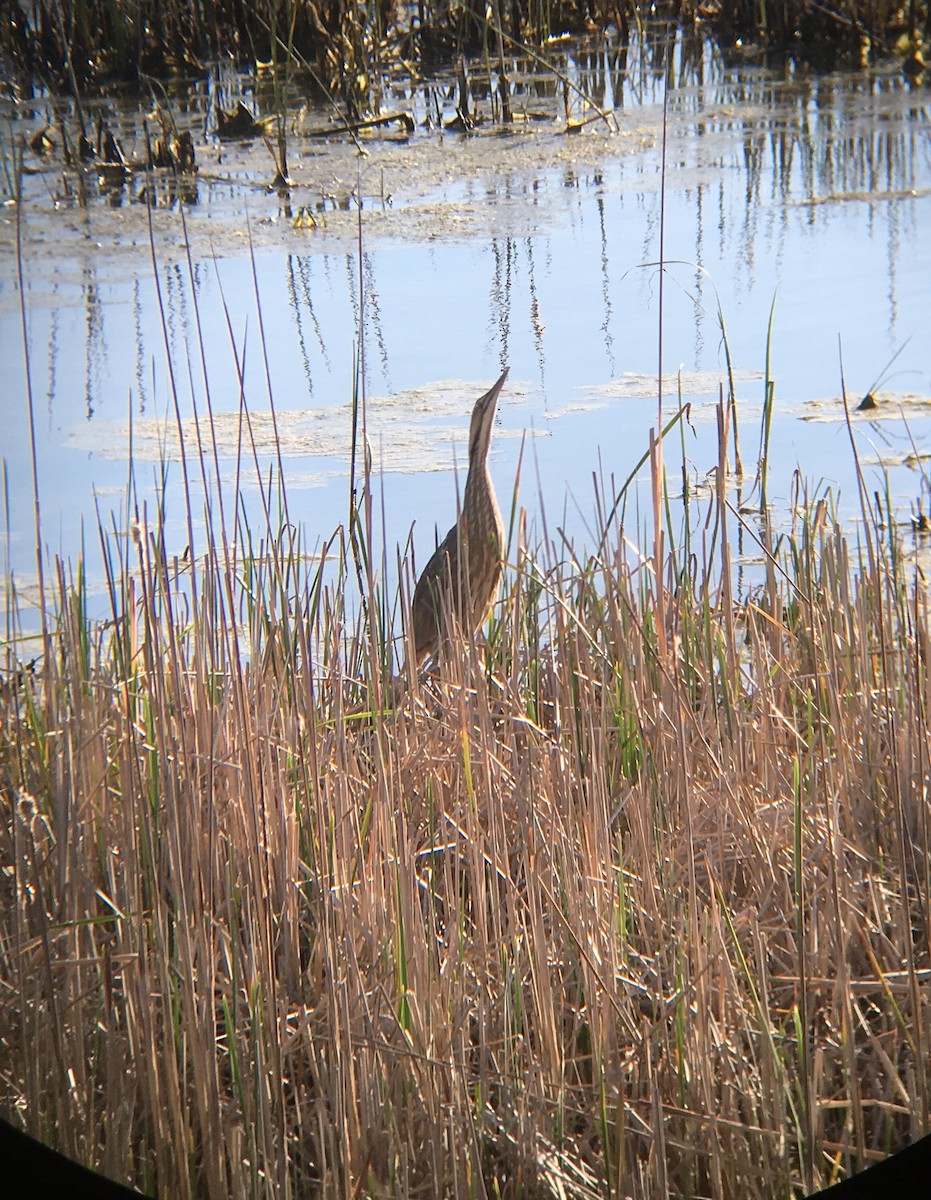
793 212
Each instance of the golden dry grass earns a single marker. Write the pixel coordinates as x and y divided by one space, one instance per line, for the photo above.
632 901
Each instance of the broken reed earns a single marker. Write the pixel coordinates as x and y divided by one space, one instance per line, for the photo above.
632 899
71 45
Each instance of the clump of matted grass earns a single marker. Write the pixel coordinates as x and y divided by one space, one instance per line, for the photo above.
631 900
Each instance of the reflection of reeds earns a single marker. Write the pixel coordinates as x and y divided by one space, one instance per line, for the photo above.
634 897
818 144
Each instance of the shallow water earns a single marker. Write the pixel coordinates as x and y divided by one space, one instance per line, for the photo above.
527 248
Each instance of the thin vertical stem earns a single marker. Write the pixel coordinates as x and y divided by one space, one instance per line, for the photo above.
37 507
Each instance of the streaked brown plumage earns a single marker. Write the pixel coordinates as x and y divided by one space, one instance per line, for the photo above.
461 578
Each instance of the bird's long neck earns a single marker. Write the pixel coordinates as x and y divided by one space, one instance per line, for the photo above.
478 480
479 477
481 517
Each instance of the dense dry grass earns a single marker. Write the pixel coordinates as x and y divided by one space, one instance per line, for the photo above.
77 44
631 900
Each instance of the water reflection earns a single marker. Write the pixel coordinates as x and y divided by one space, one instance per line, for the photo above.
535 251
301 301
95 343
536 322
140 374
499 298
605 286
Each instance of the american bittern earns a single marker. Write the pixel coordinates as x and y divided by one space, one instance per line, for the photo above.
459 582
